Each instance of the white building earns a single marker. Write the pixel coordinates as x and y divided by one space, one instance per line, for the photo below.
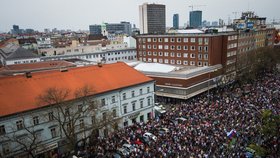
116 87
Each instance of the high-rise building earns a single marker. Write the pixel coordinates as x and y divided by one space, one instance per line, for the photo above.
195 18
176 21
15 29
152 18
95 29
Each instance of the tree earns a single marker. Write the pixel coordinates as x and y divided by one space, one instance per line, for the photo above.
73 110
27 140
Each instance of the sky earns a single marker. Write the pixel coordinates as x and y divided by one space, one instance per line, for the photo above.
79 14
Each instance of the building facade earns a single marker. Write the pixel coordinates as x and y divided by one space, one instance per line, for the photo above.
176 21
152 18
25 120
196 19
95 29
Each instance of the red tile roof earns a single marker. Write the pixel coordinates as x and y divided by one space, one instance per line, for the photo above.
18 93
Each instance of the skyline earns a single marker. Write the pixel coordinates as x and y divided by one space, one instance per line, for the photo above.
75 15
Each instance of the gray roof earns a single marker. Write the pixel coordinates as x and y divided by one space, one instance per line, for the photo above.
19 53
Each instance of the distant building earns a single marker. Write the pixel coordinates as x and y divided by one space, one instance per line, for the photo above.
152 18
15 29
214 23
118 28
95 29
196 19
176 21
249 20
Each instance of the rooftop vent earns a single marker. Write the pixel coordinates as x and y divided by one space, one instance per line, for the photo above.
63 70
28 75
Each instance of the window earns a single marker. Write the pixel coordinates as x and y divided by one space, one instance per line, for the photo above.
132 94
149 53
125 123
141 103
205 63
82 124
133 106
160 60
179 62
159 39
2 130
192 40
6 148
154 39
149 46
165 39
154 46
178 47
200 40
148 39
51 116
192 63
178 39
124 109
205 56
114 113
186 39
19 125
166 61
124 96
35 120
93 120
166 54
165 46
172 40
185 62
172 47
199 63
172 54
185 55
155 53
53 132
192 55
67 112
159 46
206 49
113 99
199 56
148 89
140 91
185 47
172 61
149 101
199 48
192 47
159 53
178 54
103 103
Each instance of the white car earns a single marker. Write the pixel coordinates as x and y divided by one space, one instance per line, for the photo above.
128 147
150 136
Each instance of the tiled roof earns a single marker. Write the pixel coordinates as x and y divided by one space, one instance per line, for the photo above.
18 93
22 53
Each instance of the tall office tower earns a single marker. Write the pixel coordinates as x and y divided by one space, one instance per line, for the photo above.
152 18
195 19
15 29
176 21
95 29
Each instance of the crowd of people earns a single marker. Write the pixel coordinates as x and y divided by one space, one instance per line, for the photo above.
222 127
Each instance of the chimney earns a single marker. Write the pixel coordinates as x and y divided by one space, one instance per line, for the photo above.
28 75
63 69
99 64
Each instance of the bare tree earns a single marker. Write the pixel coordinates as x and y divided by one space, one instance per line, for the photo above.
72 108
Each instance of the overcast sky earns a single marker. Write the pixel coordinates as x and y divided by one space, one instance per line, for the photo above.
79 14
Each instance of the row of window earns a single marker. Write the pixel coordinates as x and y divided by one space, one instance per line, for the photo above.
134 107
233 37
25 61
118 53
231 53
177 39
172 47
172 61
124 95
123 58
232 45
172 54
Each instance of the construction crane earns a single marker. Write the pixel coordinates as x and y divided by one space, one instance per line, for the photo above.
191 6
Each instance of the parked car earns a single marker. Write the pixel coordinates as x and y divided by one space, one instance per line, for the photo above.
181 120
163 131
150 136
128 147
123 152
